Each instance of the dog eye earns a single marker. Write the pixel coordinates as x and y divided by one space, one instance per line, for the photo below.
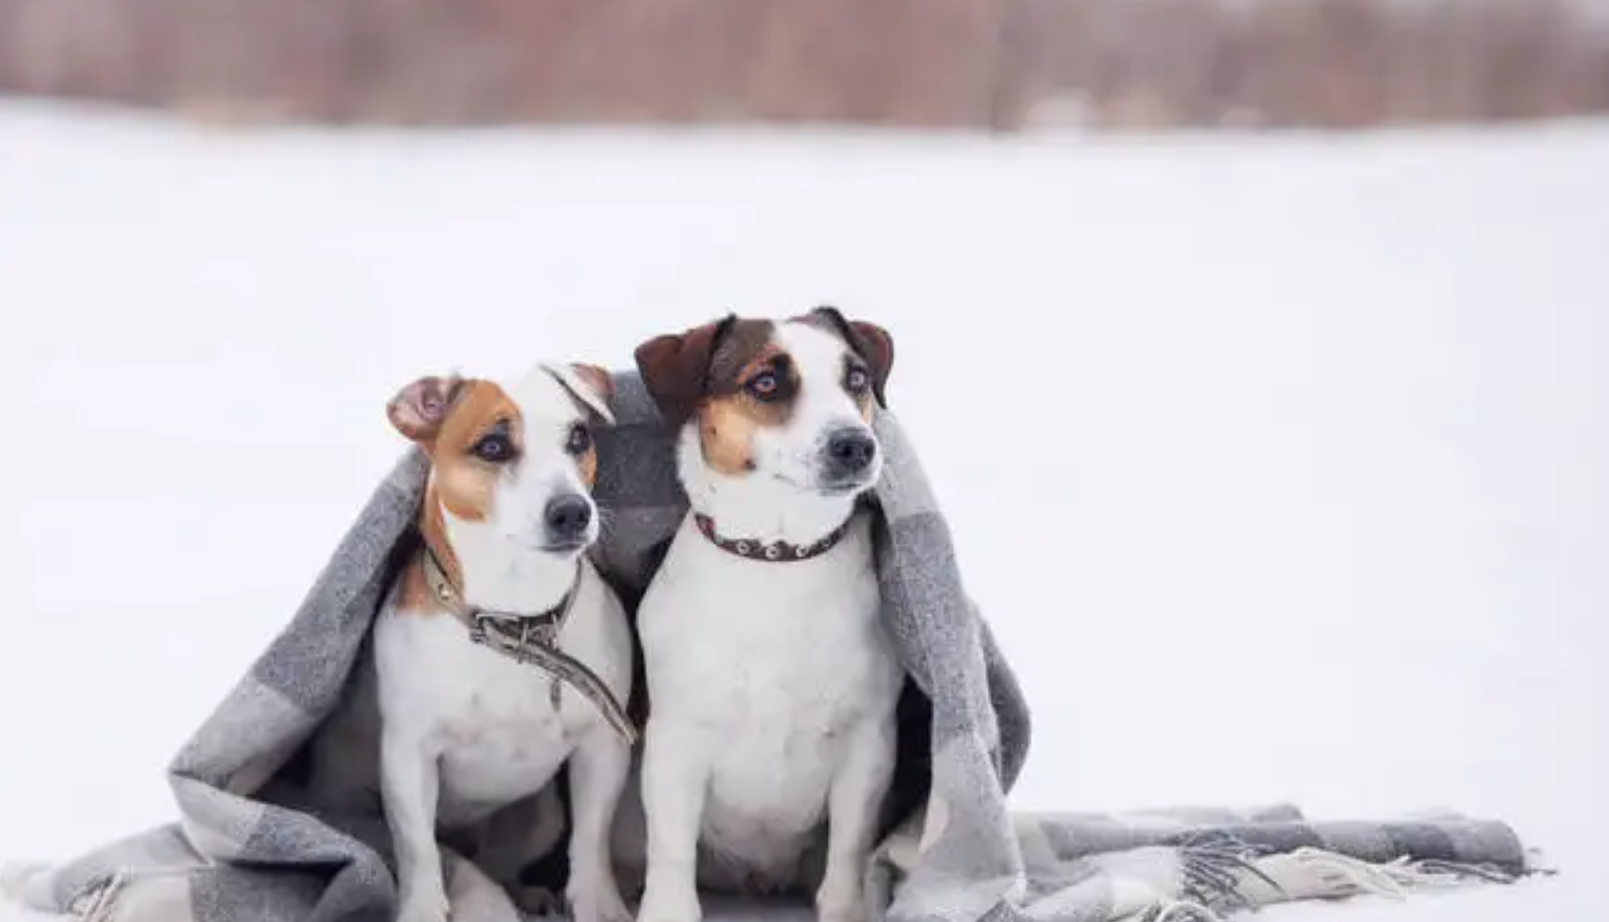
579 440
764 385
856 380
494 449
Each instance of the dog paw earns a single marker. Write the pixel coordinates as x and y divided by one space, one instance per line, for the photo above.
841 915
601 905
664 908
840 908
425 908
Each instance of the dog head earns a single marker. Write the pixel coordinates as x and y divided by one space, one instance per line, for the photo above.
774 411
512 467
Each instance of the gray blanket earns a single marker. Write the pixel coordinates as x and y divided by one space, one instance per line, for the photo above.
252 843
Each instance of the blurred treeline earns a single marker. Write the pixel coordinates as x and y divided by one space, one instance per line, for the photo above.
989 64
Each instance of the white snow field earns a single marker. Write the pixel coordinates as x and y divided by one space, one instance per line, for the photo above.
1281 465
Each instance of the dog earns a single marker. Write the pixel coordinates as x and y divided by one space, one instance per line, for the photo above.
771 681
468 725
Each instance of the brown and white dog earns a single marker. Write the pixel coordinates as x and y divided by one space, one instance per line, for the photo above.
771 681
465 729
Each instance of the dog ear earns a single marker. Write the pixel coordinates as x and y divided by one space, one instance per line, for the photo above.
418 410
675 368
870 341
589 384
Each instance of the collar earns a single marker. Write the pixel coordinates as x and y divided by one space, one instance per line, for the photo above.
531 640
776 551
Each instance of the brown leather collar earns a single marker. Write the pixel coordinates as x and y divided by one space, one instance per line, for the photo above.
776 551
531 640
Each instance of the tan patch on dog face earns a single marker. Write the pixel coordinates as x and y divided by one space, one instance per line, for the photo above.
466 482
587 466
581 444
461 482
756 394
726 432
415 597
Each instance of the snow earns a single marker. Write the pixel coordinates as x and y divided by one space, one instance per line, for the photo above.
1277 463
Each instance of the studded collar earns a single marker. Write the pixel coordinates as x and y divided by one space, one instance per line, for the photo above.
772 552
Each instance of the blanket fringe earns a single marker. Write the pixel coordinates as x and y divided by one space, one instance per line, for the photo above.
1320 874
1394 879
95 904
1181 911
1217 869
1223 874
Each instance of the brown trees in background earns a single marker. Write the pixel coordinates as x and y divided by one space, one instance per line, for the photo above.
995 64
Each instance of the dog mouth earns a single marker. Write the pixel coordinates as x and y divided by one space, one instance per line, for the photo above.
830 488
546 545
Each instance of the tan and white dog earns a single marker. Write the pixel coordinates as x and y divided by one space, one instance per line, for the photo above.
771 680
467 729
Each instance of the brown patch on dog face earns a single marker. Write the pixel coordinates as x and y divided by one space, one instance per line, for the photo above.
675 368
753 383
586 463
466 481
588 466
734 358
458 424
726 435
414 597
684 370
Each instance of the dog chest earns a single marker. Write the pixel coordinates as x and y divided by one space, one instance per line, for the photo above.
763 670
489 720
742 642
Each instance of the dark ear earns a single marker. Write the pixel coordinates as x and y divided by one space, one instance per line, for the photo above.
870 341
675 368
418 410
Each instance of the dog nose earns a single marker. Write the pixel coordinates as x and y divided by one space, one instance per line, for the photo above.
568 516
850 451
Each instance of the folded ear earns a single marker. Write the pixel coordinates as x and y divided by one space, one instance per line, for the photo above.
419 409
870 341
589 384
675 368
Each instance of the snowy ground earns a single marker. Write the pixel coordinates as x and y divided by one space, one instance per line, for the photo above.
1279 465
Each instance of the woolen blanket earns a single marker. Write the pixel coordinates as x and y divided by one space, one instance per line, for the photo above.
253 843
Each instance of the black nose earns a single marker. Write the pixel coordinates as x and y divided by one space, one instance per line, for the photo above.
568 517
850 451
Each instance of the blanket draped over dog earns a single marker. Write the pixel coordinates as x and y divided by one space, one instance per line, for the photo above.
252 844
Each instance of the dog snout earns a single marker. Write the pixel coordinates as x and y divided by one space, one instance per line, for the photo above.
849 452
567 517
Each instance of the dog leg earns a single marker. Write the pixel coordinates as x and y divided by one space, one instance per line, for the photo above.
674 782
598 770
854 804
475 897
409 785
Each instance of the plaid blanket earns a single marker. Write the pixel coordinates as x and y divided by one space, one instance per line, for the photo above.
253 842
